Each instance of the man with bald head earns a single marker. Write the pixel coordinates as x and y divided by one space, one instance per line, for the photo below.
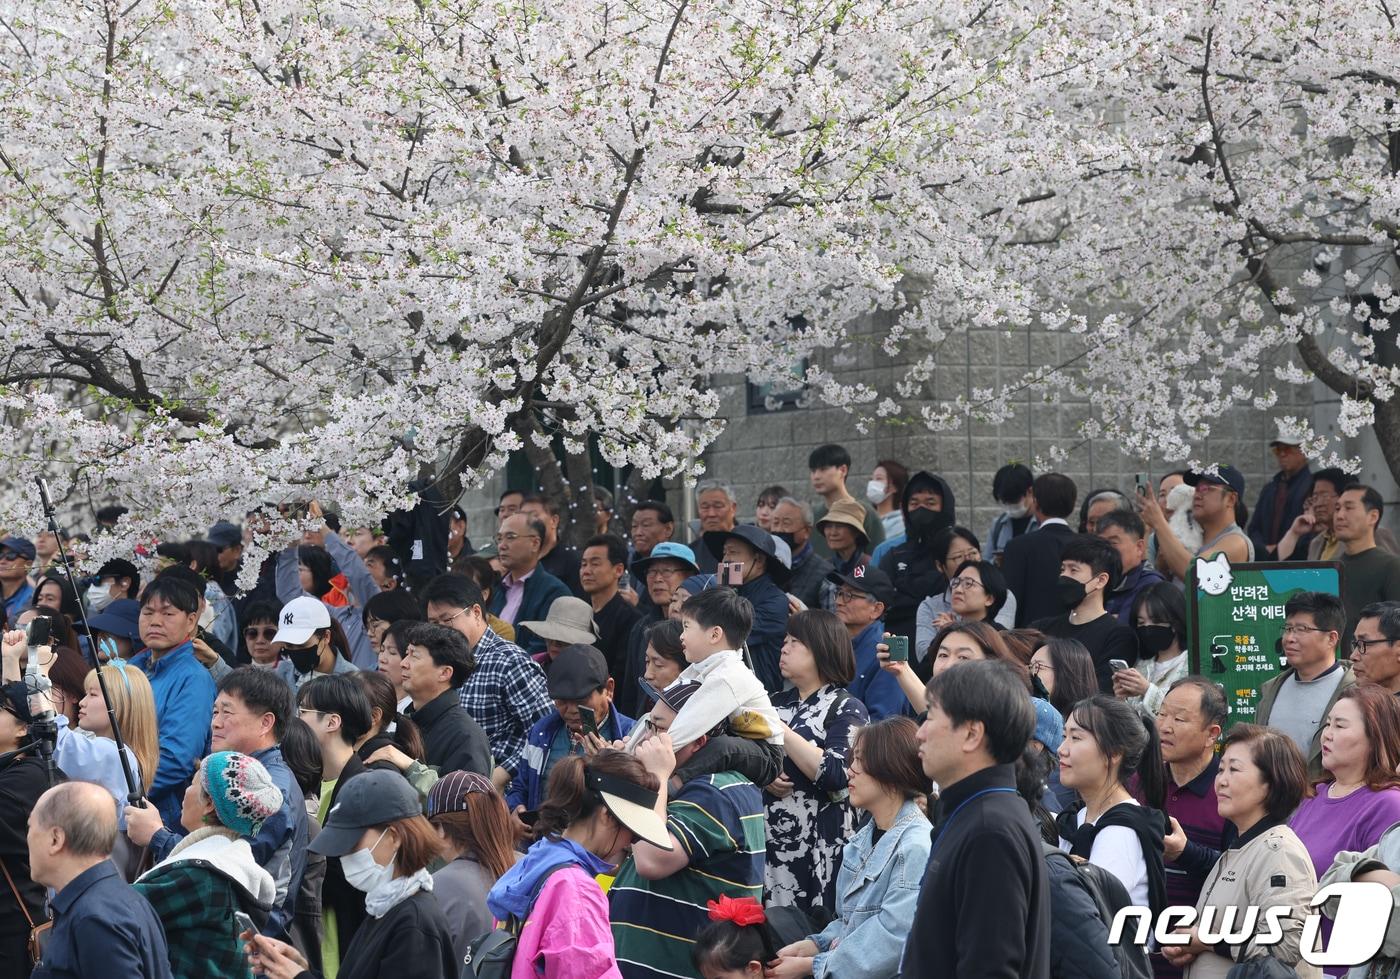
101 925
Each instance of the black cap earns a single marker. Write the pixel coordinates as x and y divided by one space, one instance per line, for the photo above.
757 538
869 579
576 672
1228 477
371 799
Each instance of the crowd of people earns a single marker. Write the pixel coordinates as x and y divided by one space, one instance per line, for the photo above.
851 738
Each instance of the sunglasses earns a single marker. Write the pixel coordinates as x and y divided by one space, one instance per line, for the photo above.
265 632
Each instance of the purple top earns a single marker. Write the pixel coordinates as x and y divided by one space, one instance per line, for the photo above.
1328 826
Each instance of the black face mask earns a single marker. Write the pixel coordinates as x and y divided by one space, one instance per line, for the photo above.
921 525
788 537
1070 591
1038 688
305 660
1153 639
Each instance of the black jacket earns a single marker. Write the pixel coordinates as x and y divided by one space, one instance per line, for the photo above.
411 941
336 893
808 576
984 909
1031 564
627 688
1080 948
419 536
22 781
911 565
452 741
563 563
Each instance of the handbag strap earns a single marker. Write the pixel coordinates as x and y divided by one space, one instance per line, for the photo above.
19 899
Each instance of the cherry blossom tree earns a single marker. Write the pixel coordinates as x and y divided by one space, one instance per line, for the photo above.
1208 194
259 250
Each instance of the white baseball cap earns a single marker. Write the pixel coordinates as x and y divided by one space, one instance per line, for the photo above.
300 618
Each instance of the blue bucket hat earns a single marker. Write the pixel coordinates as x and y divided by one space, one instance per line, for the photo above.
666 549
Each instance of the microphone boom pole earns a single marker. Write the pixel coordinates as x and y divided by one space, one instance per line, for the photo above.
132 787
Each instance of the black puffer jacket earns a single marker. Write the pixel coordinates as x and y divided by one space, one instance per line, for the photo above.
911 565
1079 938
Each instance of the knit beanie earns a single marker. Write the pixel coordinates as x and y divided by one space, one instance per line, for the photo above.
242 791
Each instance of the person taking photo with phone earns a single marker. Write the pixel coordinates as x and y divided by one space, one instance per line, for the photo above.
582 693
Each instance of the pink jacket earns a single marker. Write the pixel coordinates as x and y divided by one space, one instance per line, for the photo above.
568 934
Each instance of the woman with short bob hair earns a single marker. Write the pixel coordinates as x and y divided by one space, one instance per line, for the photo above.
882 867
808 816
665 657
385 845
1261 780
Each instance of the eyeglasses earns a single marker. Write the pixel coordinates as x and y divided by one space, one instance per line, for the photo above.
447 619
1037 667
512 537
1363 646
1293 630
958 560
313 710
958 584
265 632
846 595
11 556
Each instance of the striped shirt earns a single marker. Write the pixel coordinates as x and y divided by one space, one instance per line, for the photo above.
718 819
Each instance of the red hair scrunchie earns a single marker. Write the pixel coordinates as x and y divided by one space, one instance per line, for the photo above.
743 911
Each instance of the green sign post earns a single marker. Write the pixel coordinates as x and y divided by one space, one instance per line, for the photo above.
1234 617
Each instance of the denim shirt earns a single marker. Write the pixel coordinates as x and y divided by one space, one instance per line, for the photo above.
877 890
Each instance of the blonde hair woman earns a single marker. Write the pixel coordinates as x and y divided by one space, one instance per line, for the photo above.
89 752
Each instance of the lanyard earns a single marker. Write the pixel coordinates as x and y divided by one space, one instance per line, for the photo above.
943 830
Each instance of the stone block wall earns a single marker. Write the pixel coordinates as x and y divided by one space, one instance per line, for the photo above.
763 448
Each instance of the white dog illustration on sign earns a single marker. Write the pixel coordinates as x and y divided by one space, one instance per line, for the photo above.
1213 577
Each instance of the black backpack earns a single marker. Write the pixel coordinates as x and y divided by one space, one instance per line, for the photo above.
1109 896
493 954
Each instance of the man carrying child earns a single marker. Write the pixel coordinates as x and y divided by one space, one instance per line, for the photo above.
717 847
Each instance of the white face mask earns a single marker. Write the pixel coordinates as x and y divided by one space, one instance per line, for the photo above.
98 597
361 870
875 491
1015 510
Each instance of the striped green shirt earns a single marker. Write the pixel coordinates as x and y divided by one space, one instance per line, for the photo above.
718 820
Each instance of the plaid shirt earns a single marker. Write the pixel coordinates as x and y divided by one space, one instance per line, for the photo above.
196 906
506 694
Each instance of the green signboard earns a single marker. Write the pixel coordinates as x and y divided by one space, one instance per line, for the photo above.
1235 622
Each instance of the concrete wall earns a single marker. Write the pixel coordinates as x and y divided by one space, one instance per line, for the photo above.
763 448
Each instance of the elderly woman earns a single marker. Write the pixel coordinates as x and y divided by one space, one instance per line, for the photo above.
211 873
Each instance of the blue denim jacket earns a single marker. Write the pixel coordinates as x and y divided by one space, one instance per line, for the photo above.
876 893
